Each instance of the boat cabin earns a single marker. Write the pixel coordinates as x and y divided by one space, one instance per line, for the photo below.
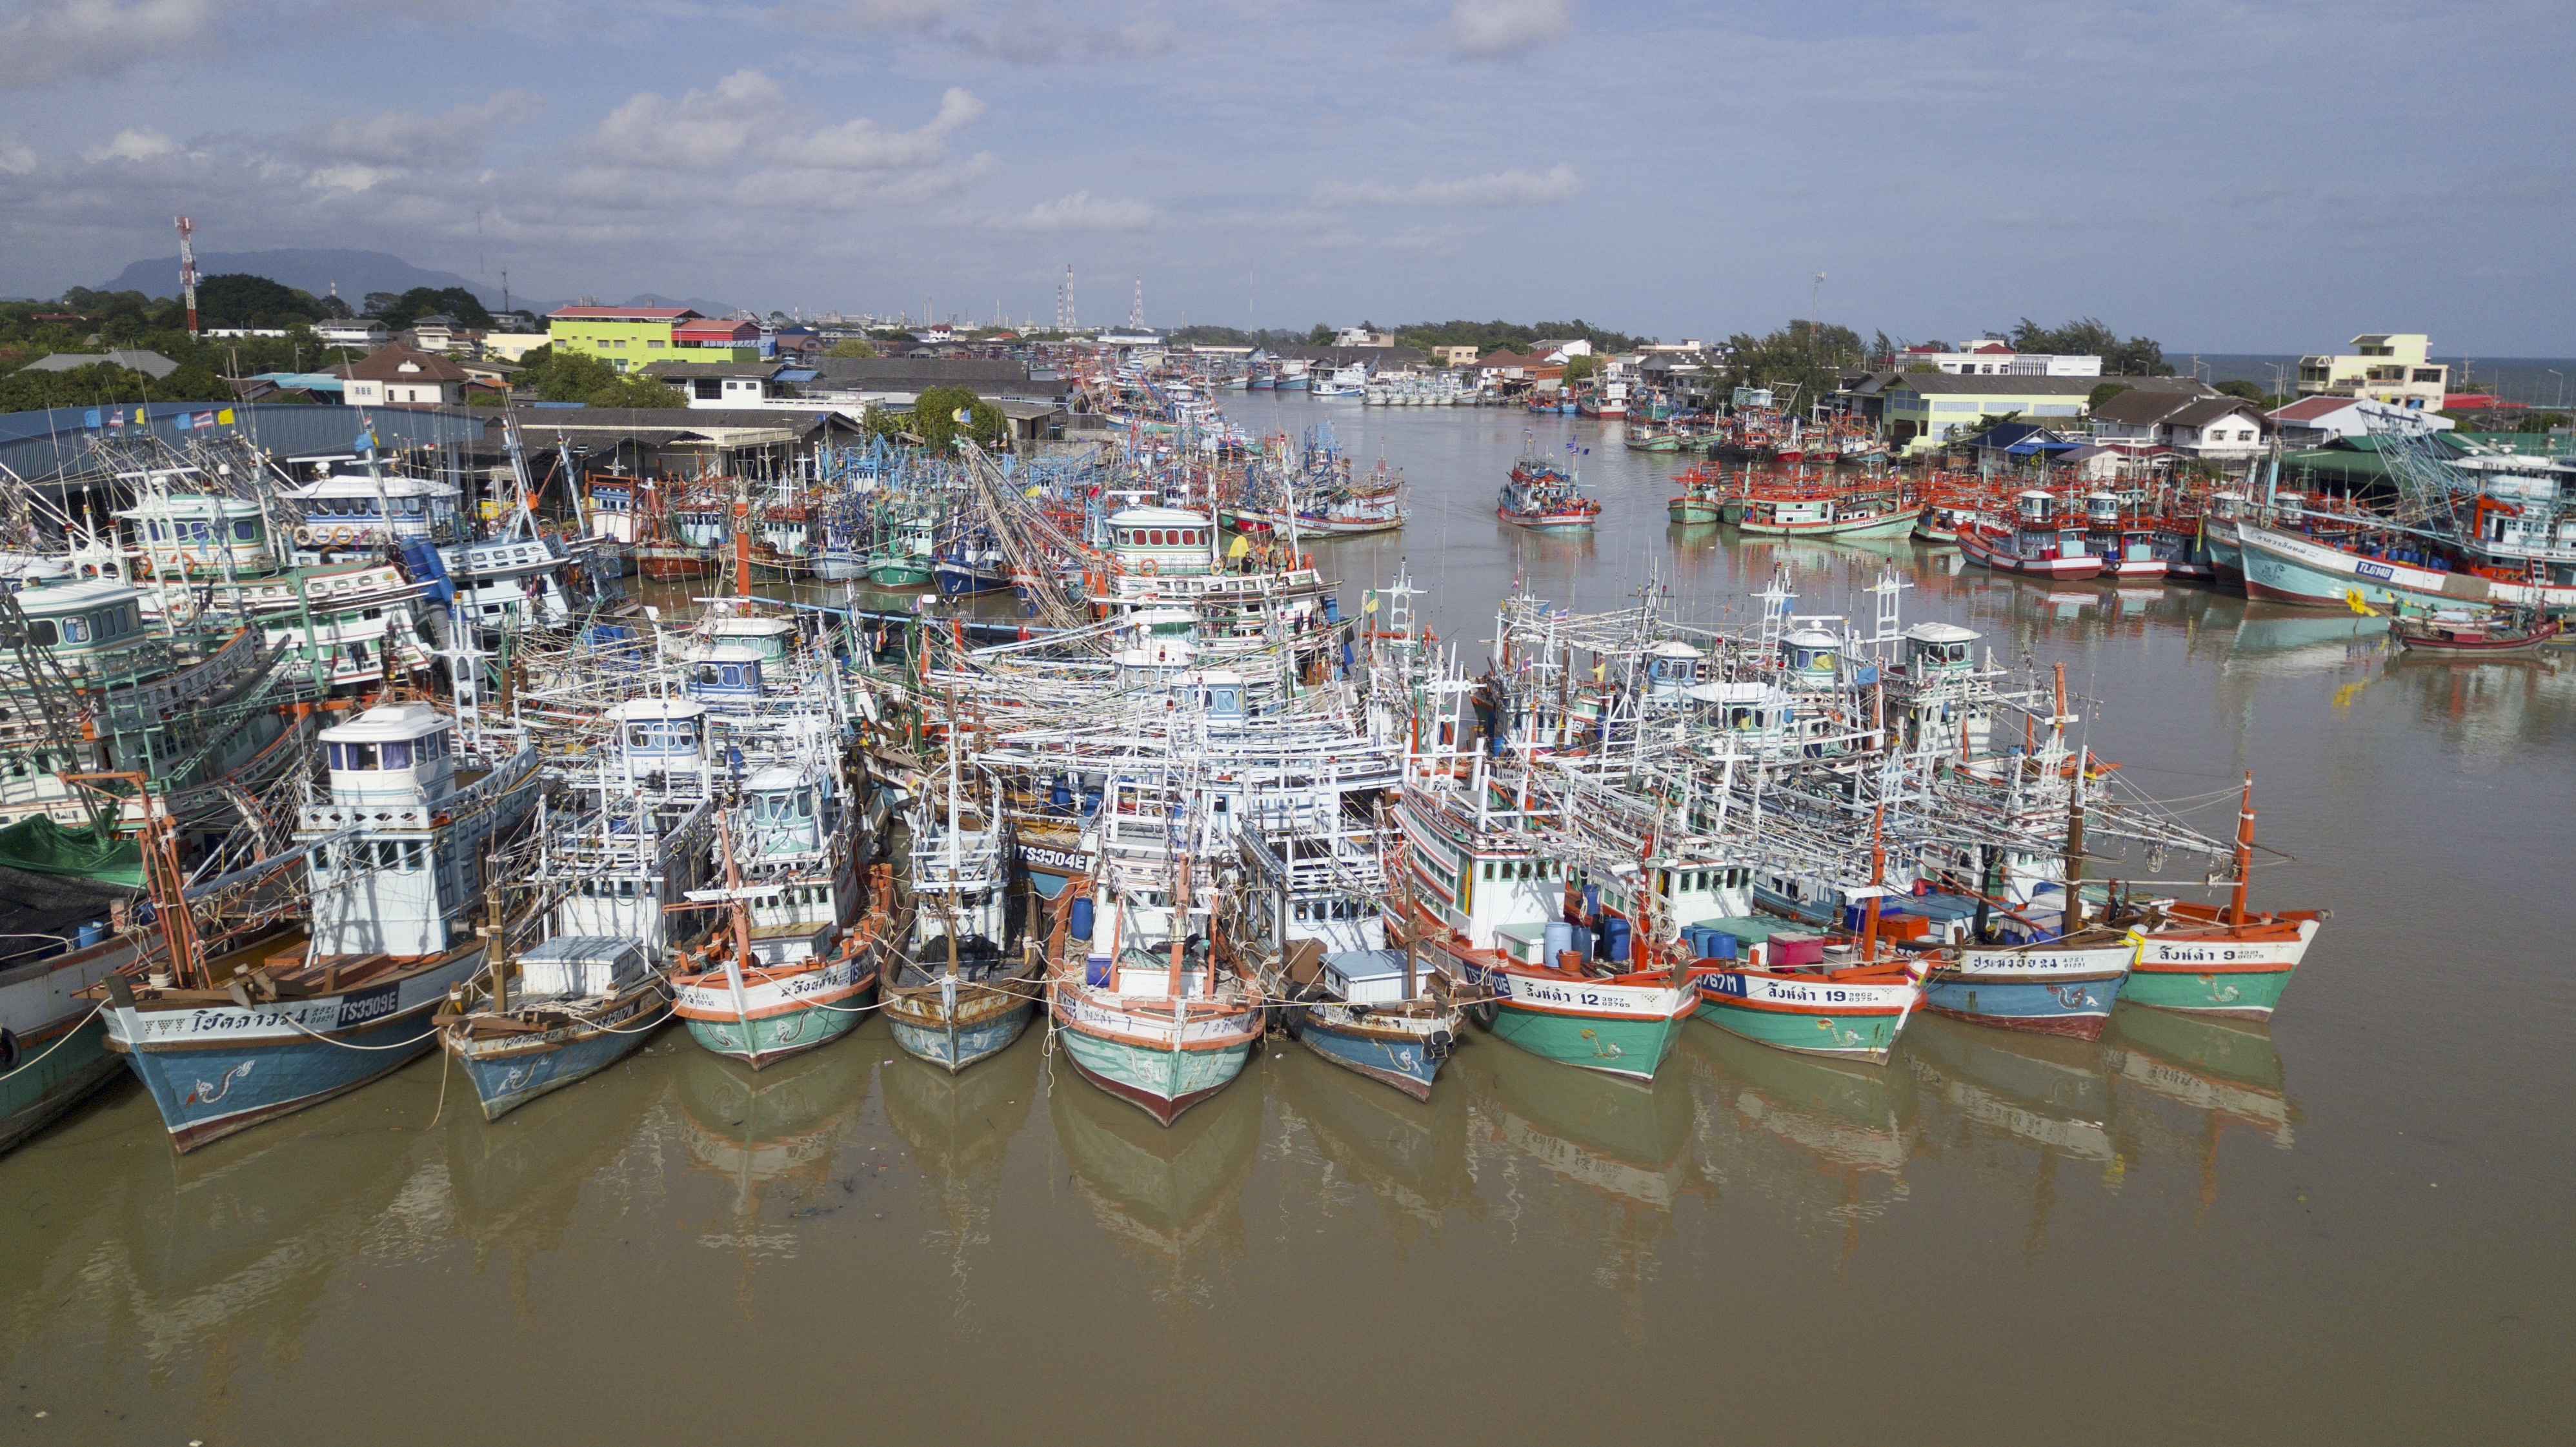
660 741
611 505
1812 655
1156 541
357 511
1672 668
784 812
396 754
1749 711
569 966
772 638
1939 648
194 535
725 674
92 629
701 523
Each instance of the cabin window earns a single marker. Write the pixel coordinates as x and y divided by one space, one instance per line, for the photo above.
733 675
805 805
76 630
397 754
411 855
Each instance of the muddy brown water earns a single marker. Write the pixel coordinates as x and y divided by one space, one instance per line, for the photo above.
2350 1226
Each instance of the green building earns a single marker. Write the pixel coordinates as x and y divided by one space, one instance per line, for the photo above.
626 337
1925 410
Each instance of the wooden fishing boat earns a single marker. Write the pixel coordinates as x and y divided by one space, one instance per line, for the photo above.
292 1019
1848 513
1162 1024
2063 986
1543 497
1855 1011
2038 544
580 1004
2205 960
2476 634
1367 1012
960 993
790 974
1699 501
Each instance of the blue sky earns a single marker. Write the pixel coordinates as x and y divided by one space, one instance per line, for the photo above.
2225 175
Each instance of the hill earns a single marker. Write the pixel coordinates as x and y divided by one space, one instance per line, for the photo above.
315 270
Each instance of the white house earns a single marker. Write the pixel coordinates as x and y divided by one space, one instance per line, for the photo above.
1995 357
2315 421
401 376
352 332
2196 426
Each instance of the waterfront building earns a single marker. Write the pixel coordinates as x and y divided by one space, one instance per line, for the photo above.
2391 367
399 376
1994 357
2211 427
1924 410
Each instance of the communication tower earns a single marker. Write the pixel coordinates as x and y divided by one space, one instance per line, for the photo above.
188 271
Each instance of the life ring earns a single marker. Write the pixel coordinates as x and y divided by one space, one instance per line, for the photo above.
340 535
1149 568
304 537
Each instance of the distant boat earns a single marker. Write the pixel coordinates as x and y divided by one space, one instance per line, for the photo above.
1544 497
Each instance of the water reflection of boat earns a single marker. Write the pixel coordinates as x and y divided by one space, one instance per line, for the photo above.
1621 1137
776 1128
2290 640
1164 1189
1850 1117
2210 1063
519 1181
264 1223
1413 1154
957 1126
2047 1090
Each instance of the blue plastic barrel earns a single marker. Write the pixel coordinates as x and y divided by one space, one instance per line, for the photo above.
1614 940
1060 799
1582 941
1559 938
1082 917
1095 971
1721 946
90 934
1332 608
1591 900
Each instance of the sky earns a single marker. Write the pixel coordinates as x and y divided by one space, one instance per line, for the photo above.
2223 175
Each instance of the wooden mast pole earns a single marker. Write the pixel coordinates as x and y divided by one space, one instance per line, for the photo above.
2244 853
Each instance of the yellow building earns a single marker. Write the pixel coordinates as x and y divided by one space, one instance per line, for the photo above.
2390 367
625 337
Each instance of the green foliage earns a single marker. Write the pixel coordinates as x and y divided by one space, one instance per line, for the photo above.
239 299
2105 393
1207 336
2541 421
1917 369
934 418
573 377
1486 336
1319 335
103 383
851 347
1579 367
2087 336
2246 390
1800 354
401 311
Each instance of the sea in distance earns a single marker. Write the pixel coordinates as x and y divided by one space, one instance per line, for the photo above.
2350 1227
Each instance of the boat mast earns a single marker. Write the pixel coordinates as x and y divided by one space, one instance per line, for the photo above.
2244 853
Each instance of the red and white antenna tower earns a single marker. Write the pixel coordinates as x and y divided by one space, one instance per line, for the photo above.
188 272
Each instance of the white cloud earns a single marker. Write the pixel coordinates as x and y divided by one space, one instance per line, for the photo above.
1023 33
1080 211
1501 188
872 16
140 143
403 138
15 158
51 40
1492 29
860 144
698 132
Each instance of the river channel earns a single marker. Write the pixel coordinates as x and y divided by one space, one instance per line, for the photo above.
2352 1226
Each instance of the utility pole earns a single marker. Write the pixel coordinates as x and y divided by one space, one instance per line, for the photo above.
188 271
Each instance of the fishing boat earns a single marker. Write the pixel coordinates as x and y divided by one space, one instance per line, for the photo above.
53 1046
797 966
1699 501
580 1004
395 861
2063 986
1851 513
1151 1010
2039 543
2475 634
960 993
1544 497
2125 541
2213 961
1785 995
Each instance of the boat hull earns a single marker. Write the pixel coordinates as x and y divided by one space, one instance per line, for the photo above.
218 1069
1630 1047
2078 1007
1811 1017
38 1091
1408 1060
1547 522
982 1022
1161 1082
774 1018
1886 525
508 1073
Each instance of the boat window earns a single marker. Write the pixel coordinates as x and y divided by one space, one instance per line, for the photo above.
388 854
639 737
397 754
805 804
733 675
412 855
76 630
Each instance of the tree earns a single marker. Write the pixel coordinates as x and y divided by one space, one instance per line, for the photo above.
2541 422
2246 390
1918 369
377 303
1801 355
421 301
106 383
2094 399
1319 336
1579 367
572 377
851 347
239 299
934 418
2088 337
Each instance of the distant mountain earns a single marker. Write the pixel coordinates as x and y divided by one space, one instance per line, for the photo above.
315 270
698 304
